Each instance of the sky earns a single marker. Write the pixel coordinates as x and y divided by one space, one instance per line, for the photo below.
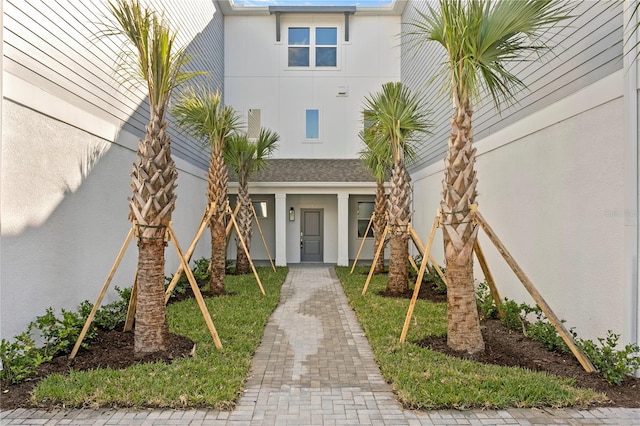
363 3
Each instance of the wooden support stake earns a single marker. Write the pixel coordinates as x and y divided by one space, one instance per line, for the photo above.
362 242
96 305
416 240
246 249
203 224
413 264
542 304
196 290
131 310
416 288
230 224
438 270
489 277
375 259
264 243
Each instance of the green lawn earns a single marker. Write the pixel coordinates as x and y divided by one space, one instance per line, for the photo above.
425 379
212 378
422 379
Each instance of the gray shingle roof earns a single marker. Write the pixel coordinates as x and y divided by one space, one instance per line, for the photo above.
311 170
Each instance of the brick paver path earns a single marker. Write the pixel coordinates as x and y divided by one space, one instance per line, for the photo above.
315 367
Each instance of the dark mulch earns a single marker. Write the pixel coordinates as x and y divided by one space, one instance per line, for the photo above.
113 349
507 347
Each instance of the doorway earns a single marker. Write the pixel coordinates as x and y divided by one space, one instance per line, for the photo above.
311 235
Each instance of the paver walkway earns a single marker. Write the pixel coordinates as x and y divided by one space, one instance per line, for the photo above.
315 367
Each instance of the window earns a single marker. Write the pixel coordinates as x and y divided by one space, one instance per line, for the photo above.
365 211
261 209
253 124
318 46
312 124
299 42
326 47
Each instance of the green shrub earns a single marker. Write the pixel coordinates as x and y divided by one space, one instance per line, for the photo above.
20 358
60 334
200 272
484 299
109 316
613 364
513 317
431 276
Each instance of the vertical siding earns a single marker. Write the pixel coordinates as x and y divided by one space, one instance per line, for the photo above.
53 45
586 49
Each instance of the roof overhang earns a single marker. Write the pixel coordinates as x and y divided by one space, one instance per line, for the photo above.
228 7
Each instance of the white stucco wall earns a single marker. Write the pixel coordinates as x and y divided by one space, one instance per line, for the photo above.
64 213
257 77
552 188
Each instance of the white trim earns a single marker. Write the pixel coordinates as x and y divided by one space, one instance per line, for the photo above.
631 279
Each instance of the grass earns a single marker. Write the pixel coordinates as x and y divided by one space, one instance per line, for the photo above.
422 379
425 379
212 378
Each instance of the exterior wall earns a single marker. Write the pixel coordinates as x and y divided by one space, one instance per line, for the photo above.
268 227
256 76
551 186
586 49
64 215
54 45
69 135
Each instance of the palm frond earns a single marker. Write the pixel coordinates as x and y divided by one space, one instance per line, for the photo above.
246 157
200 111
481 37
397 117
148 54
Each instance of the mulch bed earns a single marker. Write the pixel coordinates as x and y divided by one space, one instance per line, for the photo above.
112 349
507 347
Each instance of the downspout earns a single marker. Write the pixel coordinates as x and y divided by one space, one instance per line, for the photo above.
631 175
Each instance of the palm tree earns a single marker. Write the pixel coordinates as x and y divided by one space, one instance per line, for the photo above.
379 164
201 113
150 57
479 37
398 117
245 157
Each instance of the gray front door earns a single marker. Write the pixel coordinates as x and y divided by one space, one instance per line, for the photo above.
311 235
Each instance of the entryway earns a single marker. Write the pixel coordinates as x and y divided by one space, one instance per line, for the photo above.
311 235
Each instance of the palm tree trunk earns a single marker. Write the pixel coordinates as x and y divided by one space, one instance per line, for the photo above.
379 223
217 192
153 182
151 328
244 220
459 192
399 216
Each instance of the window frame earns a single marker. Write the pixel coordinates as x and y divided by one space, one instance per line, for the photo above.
313 46
365 220
318 124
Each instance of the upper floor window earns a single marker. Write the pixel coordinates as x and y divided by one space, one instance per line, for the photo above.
312 124
317 46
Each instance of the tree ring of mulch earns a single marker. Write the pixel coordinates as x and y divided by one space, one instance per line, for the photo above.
109 349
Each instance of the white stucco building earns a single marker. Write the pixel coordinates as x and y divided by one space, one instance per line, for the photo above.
558 173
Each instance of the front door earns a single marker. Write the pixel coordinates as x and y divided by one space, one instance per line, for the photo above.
311 235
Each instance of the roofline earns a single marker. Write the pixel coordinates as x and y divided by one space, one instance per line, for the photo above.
312 9
228 8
